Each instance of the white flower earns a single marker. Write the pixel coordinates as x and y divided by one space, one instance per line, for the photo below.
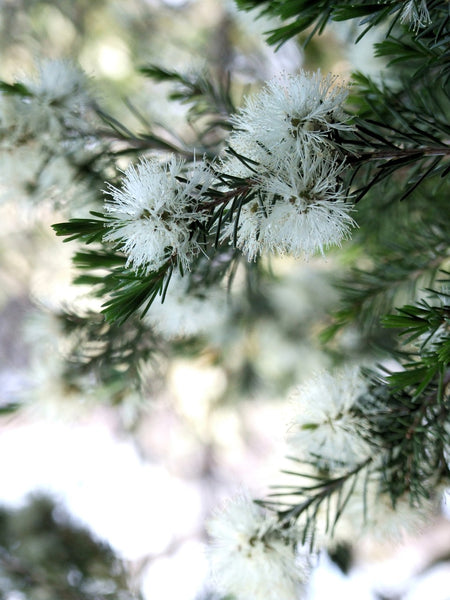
28 174
415 12
281 145
56 106
300 207
325 429
152 213
187 311
290 110
59 82
371 511
251 556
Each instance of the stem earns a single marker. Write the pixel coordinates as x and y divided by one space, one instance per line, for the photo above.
329 488
399 153
225 197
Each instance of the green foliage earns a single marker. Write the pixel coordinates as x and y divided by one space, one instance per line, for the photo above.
204 92
88 230
394 293
113 354
408 414
14 89
396 270
303 14
43 555
324 491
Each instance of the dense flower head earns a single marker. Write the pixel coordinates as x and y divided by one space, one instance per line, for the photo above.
252 556
152 213
292 109
55 107
282 144
325 429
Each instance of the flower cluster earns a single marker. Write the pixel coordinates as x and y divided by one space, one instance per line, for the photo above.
282 155
326 429
251 556
282 144
329 436
153 213
53 103
41 125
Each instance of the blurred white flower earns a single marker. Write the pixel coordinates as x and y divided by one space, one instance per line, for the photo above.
56 107
27 173
300 208
415 12
59 82
325 429
152 213
370 510
252 556
187 312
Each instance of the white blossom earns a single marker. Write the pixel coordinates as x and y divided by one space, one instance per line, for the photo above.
185 311
371 510
415 12
151 214
324 428
30 175
60 82
252 556
299 208
289 111
55 107
281 145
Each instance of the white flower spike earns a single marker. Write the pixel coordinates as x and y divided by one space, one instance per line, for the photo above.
291 110
325 429
152 212
251 556
301 208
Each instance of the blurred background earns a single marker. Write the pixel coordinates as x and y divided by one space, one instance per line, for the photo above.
105 487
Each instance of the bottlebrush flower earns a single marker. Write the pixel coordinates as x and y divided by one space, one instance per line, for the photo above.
299 207
152 213
325 429
54 107
291 110
283 145
253 557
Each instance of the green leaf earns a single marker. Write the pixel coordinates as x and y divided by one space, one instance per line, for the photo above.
88 230
15 89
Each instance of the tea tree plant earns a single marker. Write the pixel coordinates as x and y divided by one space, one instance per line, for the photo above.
307 163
